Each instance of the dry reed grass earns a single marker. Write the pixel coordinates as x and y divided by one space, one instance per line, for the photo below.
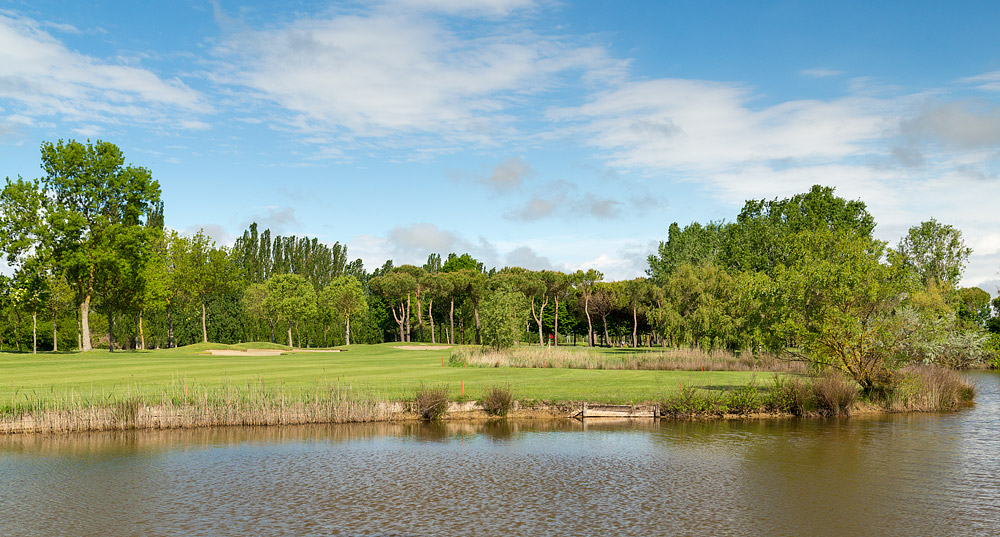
230 405
661 360
928 388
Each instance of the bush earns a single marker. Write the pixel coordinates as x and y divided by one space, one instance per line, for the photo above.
689 402
745 399
930 388
835 394
498 400
992 350
788 395
432 403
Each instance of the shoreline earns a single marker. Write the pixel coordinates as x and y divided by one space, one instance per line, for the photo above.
172 417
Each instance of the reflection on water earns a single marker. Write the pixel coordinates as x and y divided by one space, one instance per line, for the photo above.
898 475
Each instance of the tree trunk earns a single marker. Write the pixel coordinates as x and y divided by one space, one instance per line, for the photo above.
347 329
420 318
430 315
409 327
204 325
85 324
604 320
170 329
289 333
111 330
271 322
451 317
399 319
475 311
79 332
142 335
538 320
635 326
590 325
34 332
55 333
555 328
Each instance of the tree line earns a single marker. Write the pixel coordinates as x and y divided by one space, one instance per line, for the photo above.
802 276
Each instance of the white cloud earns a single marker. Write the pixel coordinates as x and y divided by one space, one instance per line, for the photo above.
279 219
525 257
986 81
508 176
820 72
471 7
386 73
45 78
710 127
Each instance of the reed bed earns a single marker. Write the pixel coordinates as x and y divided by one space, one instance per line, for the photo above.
619 359
191 406
928 388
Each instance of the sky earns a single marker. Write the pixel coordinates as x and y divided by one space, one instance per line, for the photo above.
535 133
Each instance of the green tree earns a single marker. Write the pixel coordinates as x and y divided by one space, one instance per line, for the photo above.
935 251
397 287
91 194
839 303
759 239
585 283
257 306
345 296
292 298
503 317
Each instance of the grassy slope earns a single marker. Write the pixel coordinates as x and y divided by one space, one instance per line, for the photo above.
377 369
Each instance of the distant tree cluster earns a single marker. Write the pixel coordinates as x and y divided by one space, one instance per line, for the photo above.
801 276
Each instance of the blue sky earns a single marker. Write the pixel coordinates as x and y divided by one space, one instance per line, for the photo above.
535 133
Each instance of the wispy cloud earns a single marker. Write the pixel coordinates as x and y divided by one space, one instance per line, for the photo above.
820 72
42 78
388 74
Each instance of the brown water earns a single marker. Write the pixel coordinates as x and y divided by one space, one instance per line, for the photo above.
913 475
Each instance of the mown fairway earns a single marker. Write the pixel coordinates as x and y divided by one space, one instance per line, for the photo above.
378 370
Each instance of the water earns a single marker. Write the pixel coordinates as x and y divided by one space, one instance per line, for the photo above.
913 475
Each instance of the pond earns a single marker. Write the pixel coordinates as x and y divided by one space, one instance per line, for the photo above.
913 475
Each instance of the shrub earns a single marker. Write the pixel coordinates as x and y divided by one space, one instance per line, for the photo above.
498 400
929 388
432 403
788 395
835 394
745 399
689 402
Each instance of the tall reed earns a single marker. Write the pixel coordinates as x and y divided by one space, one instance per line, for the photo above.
587 358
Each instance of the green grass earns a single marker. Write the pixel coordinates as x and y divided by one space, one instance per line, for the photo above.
380 370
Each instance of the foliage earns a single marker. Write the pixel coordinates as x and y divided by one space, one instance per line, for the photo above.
838 303
935 252
503 317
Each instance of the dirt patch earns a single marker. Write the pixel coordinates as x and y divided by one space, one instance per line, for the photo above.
423 347
248 352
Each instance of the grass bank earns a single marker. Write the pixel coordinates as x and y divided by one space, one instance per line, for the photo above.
185 387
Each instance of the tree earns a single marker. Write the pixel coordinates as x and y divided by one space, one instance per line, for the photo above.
292 298
585 283
636 292
838 304
759 239
255 302
91 194
435 285
502 317
694 245
397 287
346 296
935 251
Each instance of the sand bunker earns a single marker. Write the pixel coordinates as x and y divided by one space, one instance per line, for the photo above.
316 350
423 347
248 352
